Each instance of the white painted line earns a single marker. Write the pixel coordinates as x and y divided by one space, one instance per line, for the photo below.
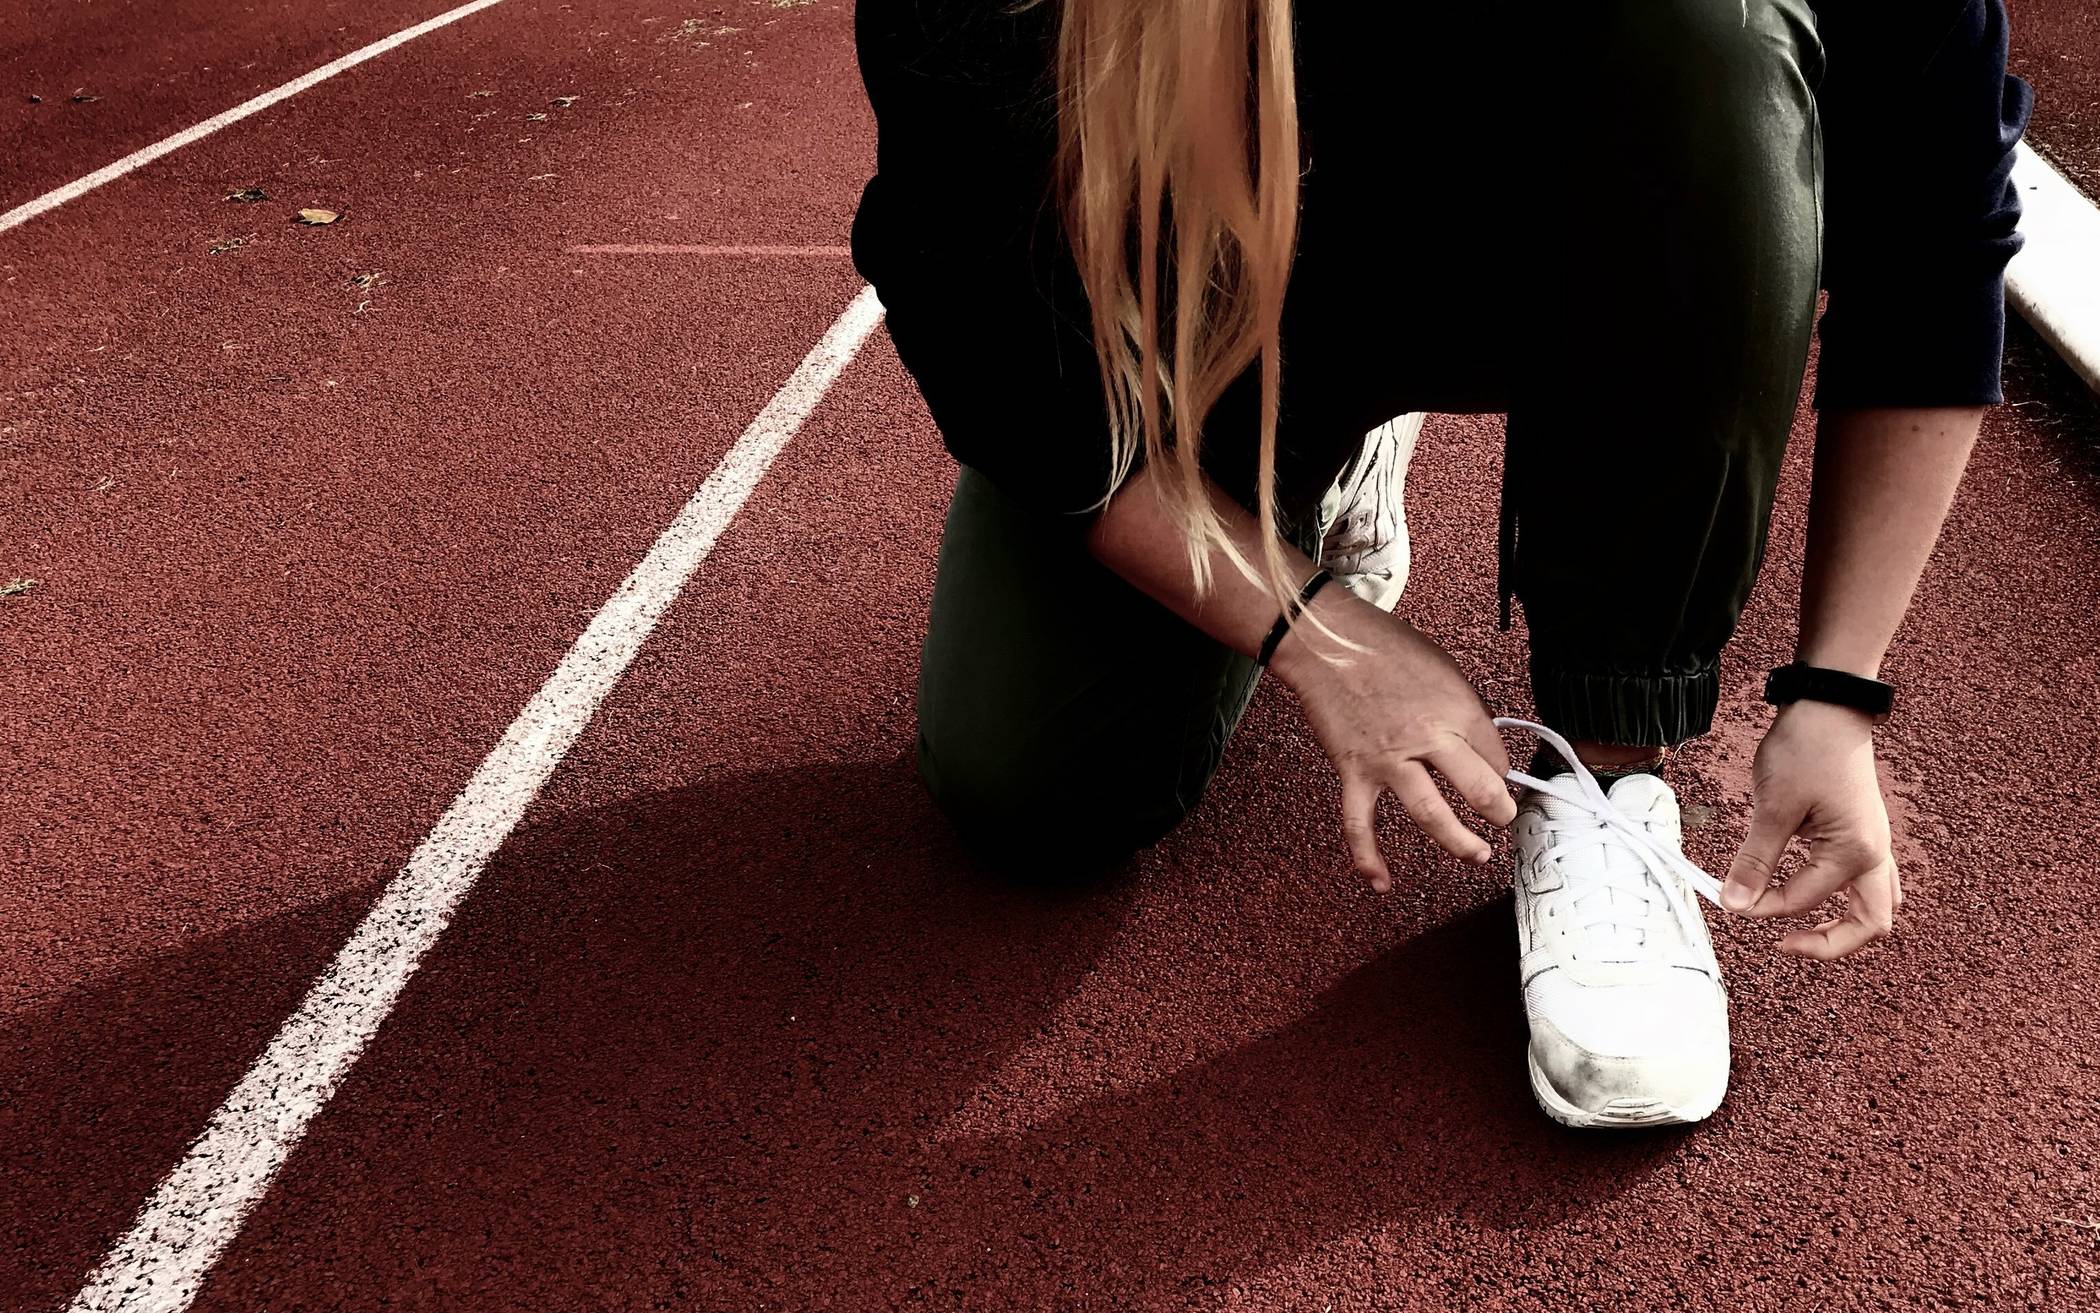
2054 282
660 248
198 1208
51 200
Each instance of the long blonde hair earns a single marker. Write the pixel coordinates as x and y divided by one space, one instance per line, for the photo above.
1178 142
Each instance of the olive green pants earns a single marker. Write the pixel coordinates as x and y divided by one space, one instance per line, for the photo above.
1637 293
1064 717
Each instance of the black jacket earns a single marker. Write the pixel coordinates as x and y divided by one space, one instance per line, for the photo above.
1918 114
1920 119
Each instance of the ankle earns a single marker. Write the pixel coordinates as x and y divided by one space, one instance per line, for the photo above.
1607 761
1621 758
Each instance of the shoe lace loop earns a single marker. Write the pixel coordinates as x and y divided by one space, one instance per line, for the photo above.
1589 797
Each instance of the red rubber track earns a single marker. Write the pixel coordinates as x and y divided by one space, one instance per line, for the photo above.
2056 47
145 69
732 1025
730 1022
300 566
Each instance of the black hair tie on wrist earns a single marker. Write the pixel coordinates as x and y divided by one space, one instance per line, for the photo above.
1320 579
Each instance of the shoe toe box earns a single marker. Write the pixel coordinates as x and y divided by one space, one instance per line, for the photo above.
1664 1046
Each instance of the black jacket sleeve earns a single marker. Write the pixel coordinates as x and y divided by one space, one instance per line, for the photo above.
959 234
1920 118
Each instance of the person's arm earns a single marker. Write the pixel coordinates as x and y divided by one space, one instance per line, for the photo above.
1883 482
1387 716
1920 119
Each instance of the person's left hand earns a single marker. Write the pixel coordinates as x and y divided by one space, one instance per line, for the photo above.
1814 777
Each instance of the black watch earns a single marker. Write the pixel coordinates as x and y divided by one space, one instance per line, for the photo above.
1805 683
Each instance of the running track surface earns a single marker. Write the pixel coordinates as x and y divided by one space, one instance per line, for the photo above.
729 1022
2056 47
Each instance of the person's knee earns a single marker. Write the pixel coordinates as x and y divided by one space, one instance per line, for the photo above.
1035 819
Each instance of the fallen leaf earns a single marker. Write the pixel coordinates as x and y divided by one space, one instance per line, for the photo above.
481 93
17 587
365 282
563 102
535 118
246 194
226 244
82 97
316 217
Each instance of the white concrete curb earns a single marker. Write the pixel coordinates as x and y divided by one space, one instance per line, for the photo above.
2054 282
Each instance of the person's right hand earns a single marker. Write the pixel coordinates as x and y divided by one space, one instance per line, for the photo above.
1388 716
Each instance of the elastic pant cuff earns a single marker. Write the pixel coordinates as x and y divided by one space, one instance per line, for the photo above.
1635 710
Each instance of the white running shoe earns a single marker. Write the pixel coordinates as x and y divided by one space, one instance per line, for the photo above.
1629 1019
1366 541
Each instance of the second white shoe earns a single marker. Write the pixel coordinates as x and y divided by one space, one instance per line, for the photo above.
1629 1019
1366 542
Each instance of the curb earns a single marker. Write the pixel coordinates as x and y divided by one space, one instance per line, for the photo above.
2054 282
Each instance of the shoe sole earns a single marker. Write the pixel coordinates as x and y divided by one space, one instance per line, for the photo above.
1620 1114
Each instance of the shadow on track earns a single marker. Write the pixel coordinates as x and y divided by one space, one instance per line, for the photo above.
102 1088
701 1046
2056 405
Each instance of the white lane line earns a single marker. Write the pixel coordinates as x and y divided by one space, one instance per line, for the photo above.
2054 282
51 200
197 1209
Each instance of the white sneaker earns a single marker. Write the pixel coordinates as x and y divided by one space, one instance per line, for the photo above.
1629 1019
1366 540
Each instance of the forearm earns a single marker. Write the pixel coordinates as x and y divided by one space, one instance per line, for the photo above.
1884 479
1136 538
1398 709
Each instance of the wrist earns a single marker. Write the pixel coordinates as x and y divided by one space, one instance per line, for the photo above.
1825 718
1852 658
1802 682
1305 653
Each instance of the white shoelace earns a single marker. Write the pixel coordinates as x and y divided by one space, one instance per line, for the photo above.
1589 796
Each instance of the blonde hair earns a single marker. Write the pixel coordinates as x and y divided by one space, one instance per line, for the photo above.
1178 139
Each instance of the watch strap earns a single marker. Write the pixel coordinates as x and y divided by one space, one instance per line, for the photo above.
1320 579
1800 682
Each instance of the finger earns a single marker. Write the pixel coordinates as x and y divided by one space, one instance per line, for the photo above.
1411 784
1360 827
1870 915
1832 865
1758 861
1477 781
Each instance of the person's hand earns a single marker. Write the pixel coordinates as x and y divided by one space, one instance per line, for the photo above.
1387 717
1814 778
